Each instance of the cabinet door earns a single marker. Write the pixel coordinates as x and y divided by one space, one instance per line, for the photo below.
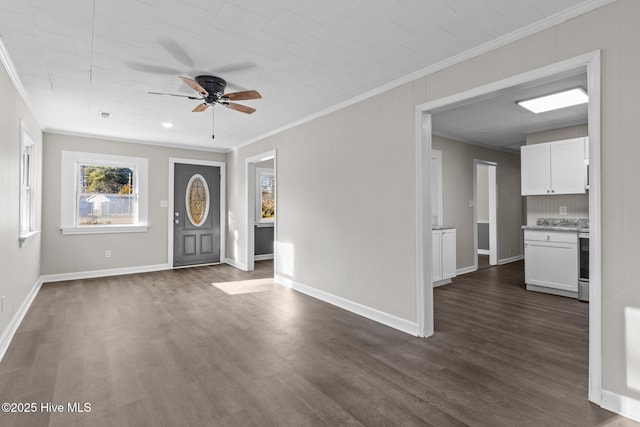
568 167
535 169
436 264
448 254
551 264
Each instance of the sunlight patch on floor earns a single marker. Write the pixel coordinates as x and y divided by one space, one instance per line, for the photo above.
246 286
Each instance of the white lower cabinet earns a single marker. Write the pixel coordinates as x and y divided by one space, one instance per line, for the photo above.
551 259
444 255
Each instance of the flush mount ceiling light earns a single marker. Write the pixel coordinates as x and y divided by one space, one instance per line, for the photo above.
167 125
555 101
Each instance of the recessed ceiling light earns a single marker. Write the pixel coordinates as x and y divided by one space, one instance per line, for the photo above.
555 101
167 125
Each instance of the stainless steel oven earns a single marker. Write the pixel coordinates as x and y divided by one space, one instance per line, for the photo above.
583 266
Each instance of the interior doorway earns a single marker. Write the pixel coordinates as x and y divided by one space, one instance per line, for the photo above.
261 197
485 213
590 64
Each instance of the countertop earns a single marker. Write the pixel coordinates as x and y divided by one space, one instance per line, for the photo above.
560 224
442 227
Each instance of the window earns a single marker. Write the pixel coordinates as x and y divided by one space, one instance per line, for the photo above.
265 195
27 187
103 193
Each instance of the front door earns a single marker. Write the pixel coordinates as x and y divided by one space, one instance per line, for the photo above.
196 217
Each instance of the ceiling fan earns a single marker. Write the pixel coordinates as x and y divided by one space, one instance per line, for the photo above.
211 91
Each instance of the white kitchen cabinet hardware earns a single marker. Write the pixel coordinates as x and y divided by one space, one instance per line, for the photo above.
443 256
558 167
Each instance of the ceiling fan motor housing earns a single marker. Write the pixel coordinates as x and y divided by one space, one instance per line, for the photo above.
215 86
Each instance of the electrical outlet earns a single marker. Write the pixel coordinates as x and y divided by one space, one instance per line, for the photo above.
107 253
164 204
563 210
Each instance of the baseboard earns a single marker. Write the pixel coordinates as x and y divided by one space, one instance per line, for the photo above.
623 405
387 319
465 270
102 273
235 264
484 252
441 282
262 257
11 329
552 291
510 259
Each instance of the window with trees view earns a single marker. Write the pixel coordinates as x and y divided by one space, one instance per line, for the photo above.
106 195
103 193
266 201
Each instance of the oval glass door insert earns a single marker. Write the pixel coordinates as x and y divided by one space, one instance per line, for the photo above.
197 200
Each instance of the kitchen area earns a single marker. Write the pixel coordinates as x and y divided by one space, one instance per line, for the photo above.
554 182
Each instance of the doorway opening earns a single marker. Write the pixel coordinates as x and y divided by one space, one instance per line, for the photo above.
485 215
589 64
261 202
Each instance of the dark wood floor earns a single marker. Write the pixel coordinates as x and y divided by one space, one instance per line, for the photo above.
169 349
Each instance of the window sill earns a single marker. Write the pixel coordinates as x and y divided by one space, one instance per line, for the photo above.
264 224
25 237
106 229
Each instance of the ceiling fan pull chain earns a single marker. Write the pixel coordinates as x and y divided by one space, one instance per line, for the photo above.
213 120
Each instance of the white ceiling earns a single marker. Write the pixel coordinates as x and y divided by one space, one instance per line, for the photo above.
78 58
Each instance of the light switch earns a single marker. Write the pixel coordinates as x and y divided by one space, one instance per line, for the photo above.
563 210
470 203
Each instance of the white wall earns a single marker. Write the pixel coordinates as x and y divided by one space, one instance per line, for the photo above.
62 254
19 267
365 156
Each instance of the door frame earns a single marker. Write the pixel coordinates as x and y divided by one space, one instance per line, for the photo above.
591 61
250 207
493 211
223 207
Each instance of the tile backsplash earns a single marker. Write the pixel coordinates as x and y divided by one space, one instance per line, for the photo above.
549 207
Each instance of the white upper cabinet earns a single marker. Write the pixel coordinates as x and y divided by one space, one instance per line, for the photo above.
558 167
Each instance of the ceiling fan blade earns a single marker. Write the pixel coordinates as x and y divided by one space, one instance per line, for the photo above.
171 94
194 85
200 107
241 96
150 68
176 51
231 68
239 107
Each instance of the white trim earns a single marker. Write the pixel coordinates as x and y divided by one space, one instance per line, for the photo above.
546 23
107 229
62 277
484 252
510 259
553 291
250 206
623 405
262 257
493 211
423 124
223 200
441 282
17 319
354 307
466 270
235 264
135 141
